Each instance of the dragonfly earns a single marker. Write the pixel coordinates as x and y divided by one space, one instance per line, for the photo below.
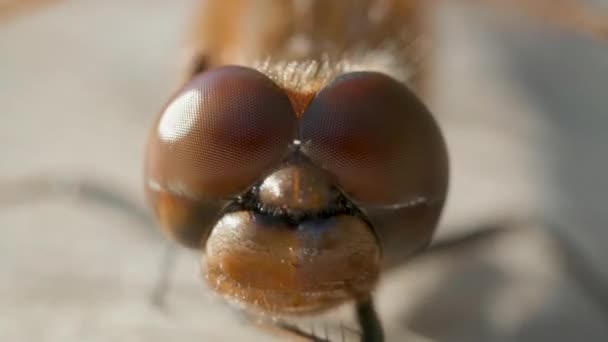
311 166
325 171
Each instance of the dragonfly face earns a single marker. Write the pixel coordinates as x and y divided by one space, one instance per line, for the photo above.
298 198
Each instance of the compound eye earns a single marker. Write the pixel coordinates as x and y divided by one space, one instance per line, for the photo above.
221 132
377 139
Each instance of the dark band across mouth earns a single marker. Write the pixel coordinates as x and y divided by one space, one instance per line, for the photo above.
339 205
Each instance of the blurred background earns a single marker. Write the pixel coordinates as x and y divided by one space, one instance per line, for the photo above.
524 107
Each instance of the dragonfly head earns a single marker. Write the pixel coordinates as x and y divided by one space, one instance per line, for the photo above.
298 196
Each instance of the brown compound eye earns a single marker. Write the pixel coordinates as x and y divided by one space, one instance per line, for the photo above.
221 132
216 138
377 139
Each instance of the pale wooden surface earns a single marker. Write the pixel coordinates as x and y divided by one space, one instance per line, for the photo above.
525 116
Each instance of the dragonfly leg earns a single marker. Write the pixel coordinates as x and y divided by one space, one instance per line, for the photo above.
162 285
371 327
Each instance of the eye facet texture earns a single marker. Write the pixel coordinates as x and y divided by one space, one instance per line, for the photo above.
377 139
221 133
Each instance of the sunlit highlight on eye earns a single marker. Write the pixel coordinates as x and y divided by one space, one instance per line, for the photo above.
178 119
407 203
